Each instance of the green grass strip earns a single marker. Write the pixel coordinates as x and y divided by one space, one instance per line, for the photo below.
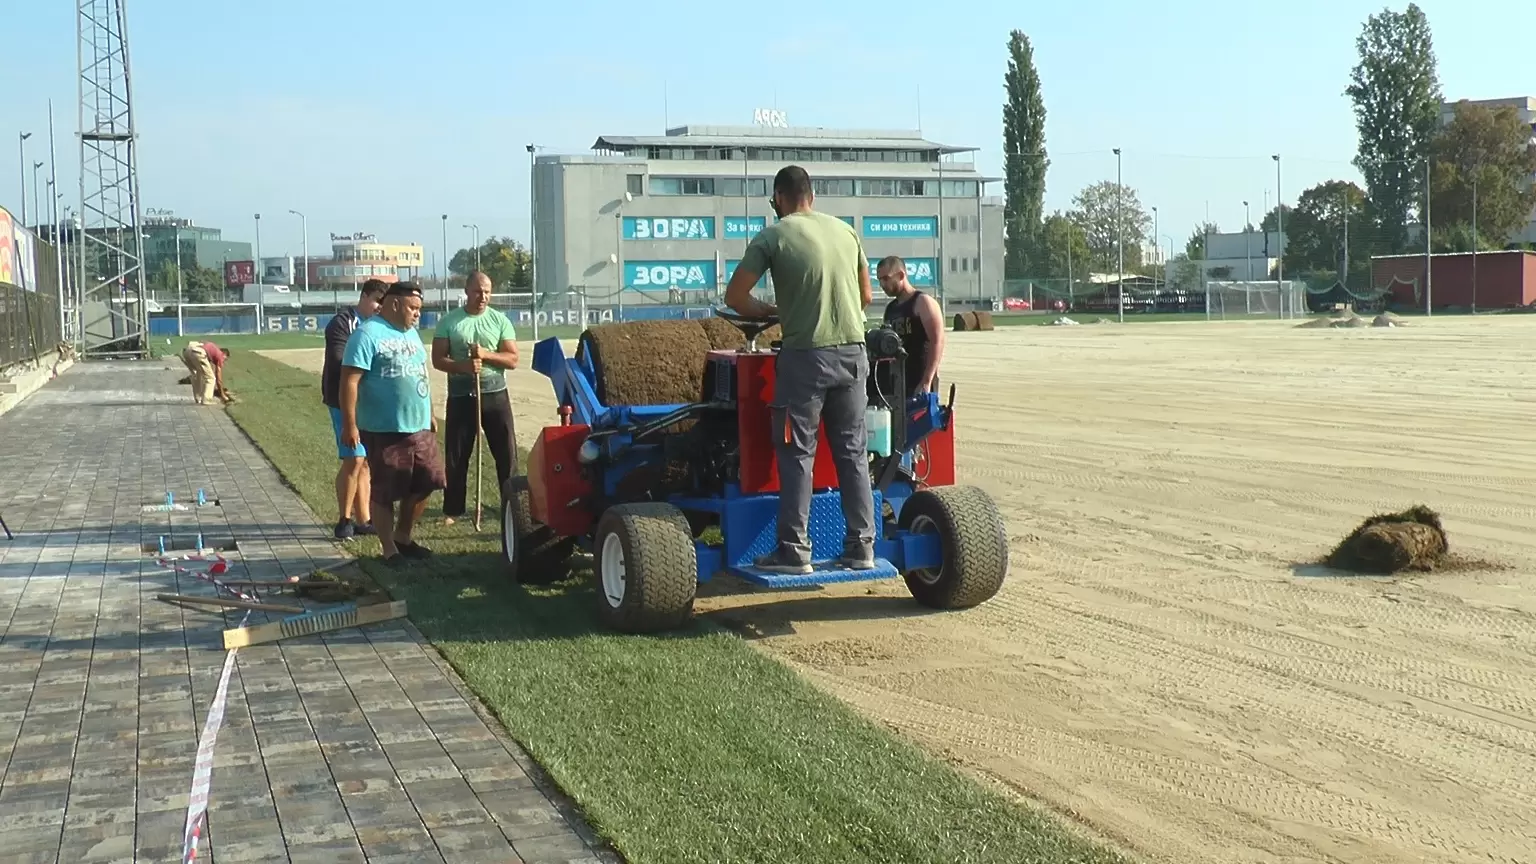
691 747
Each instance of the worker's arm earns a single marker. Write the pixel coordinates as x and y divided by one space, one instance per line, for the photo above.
933 322
442 363
738 292
350 376
504 357
866 291
218 380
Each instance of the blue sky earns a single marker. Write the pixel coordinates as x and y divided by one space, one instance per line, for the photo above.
381 116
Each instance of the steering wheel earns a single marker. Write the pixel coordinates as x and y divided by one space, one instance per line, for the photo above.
749 327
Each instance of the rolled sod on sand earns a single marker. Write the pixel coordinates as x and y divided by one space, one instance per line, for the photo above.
969 321
1389 542
648 362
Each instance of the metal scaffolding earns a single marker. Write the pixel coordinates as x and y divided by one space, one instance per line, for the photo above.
107 314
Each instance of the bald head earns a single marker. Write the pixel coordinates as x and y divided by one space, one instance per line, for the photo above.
477 292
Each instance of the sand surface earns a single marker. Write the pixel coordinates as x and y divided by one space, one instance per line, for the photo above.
1161 665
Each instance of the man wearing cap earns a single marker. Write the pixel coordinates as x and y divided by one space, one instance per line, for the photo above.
352 493
386 406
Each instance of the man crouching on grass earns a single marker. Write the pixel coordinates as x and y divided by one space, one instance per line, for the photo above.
386 404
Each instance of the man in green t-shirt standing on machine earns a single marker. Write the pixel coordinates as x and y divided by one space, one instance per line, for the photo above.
821 282
475 342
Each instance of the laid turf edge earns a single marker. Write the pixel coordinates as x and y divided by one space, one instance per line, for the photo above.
687 747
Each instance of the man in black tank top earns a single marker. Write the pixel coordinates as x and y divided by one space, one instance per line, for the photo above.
916 318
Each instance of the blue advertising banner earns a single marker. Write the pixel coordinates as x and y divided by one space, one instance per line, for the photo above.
684 275
740 228
730 269
919 270
669 228
901 226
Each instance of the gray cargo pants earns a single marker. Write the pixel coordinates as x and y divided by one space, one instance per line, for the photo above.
815 386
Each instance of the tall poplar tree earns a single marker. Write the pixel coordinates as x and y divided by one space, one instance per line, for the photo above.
1024 158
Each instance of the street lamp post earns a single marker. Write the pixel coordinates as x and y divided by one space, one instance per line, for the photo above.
303 221
533 243
476 235
256 271
1119 235
1280 241
177 229
1429 252
21 145
1247 260
37 200
444 286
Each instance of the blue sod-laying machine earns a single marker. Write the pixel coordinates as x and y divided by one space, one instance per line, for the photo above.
641 487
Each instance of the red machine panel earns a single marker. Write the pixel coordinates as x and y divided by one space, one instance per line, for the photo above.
759 466
557 489
933 460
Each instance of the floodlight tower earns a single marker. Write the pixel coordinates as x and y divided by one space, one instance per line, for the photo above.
111 315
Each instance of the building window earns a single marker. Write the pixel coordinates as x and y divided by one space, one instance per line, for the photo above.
954 265
965 265
952 223
666 186
976 264
730 187
832 188
877 188
634 184
915 188
959 188
698 186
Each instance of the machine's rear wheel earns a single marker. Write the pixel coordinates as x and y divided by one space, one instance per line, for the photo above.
534 554
644 568
974 541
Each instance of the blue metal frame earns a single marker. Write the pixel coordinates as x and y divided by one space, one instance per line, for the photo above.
748 523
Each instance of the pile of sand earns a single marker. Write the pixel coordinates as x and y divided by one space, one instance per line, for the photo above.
1349 321
1390 542
1387 319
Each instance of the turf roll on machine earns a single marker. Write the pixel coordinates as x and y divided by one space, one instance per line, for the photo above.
663 467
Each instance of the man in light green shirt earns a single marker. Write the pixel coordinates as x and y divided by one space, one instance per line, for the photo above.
475 341
821 282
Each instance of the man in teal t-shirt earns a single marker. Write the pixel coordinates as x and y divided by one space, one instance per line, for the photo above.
386 404
475 341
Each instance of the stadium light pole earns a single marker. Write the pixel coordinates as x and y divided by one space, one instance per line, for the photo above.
1154 248
304 222
37 200
21 145
1279 239
1119 236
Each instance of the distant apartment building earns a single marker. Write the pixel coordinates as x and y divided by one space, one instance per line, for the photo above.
1525 109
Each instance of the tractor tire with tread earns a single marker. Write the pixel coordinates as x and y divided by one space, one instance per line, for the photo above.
533 552
974 541
643 553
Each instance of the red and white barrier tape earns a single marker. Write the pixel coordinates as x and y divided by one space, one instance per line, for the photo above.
202 772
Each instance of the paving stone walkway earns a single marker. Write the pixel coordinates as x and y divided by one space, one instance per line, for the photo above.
357 745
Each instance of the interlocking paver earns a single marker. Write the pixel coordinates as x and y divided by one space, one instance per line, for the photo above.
359 745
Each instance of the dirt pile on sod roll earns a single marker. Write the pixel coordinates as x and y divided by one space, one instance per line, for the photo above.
1391 542
648 362
725 336
973 321
1386 319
